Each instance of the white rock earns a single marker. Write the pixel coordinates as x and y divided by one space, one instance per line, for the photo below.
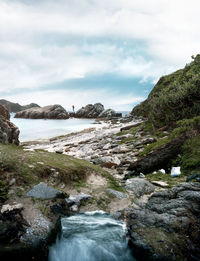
8 207
162 171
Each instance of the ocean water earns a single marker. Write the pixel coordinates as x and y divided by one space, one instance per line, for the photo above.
36 129
91 236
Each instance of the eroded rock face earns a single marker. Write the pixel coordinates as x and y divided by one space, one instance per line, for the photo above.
167 226
9 133
48 112
90 111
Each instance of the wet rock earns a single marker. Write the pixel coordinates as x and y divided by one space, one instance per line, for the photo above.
167 225
139 186
117 194
44 192
193 177
48 112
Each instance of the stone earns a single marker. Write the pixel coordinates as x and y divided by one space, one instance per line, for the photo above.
139 186
109 113
193 177
160 183
9 133
109 161
60 151
15 107
161 158
170 217
48 112
12 181
90 111
76 199
9 208
117 194
43 191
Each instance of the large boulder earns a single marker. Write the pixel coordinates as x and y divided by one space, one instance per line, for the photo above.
109 113
90 111
167 226
9 133
47 112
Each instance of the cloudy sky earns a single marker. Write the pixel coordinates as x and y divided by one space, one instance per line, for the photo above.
87 51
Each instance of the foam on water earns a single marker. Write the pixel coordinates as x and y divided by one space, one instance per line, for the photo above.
92 236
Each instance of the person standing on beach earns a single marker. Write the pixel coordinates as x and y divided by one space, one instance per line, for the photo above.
73 108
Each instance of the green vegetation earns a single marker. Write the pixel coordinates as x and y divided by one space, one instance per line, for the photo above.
166 178
174 97
31 167
190 156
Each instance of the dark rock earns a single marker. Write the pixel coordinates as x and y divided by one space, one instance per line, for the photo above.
167 226
9 133
90 111
47 112
193 177
15 107
161 158
44 192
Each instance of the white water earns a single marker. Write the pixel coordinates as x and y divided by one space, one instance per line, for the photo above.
36 129
92 236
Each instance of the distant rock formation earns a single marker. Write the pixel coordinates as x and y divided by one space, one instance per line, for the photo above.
95 111
15 107
109 113
48 112
9 133
90 111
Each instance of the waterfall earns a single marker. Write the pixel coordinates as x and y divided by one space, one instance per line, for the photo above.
92 236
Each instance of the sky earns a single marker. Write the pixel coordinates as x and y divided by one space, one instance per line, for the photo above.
75 52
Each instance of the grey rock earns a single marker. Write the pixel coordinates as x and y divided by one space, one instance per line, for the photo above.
168 215
43 191
76 199
48 112
109 113
90 111
117 194
139 186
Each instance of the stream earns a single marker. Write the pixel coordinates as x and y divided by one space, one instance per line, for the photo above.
92 236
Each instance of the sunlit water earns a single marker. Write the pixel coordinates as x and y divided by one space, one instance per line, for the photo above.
35 129
92 236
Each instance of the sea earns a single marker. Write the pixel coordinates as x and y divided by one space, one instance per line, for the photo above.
39 129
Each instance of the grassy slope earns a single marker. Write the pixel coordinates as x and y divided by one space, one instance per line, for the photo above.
30 168
174 97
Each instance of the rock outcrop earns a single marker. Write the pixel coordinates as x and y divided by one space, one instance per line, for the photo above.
90 111
95 111
47 112
109 113
9 133
167 226
15 107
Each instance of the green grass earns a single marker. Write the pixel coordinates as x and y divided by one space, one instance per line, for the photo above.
166 178
26 166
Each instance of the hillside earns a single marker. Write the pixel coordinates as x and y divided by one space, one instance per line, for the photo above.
175 97
15 107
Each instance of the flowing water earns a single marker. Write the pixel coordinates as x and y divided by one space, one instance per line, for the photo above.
92 236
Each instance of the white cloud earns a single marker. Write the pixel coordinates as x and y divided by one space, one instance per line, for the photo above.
46 42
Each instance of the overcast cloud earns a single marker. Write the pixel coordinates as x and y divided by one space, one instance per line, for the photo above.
44 43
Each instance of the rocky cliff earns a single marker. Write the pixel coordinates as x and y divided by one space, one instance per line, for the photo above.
15 107
9 133
47 112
